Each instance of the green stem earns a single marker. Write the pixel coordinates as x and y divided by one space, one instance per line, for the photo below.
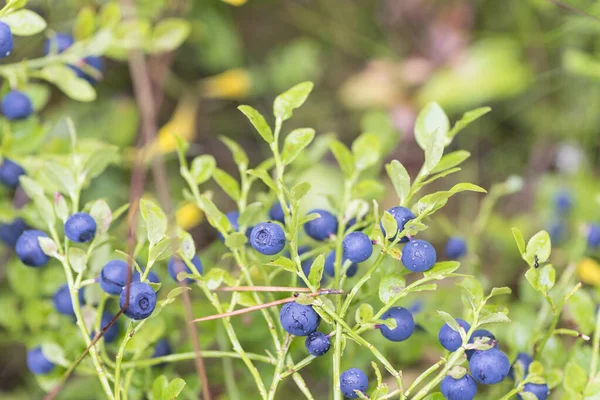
595 350
360 283
280 363
540 347
454 358
299 380
297 367
422 377
119 359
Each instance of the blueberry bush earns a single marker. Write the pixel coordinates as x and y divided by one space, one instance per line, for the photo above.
116 300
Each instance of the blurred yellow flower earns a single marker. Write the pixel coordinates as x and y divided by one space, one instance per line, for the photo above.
588 271
235 2
231 84
182 124
188 216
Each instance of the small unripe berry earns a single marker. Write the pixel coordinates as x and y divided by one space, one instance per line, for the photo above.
357 247
142 300
317 343
418 256
323 227
267 238
351 380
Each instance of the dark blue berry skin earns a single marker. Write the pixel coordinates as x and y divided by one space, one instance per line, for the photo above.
37 363
563 202
162 348
80 227
330 266
541 391
9 233
449 338
10 172
59 43
268 238
317 343
593 238
16 105
298 319
151 277
404 321
489 366
113 276
353 379
28 249
94 62
323 227
464 388
62 300
142 300
478 334
350 224
418 256
525 360
402 215
6 40
357 247
276 213
112 332
177 265
456 248
557 231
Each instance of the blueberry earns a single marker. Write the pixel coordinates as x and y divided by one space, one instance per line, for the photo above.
557 231
489 367
299 319
402 215
330 266
563 202
28 248
112 332
9 233
177 265
464 388
10 172
113 276
6 40
418 256
593 237
233 217
151 277
37 362
317 343
267 238
162 348
357 247
321 228
93 61
480 333
80 227
456 248
276 213
541 391
525 360
404 321
353 379
58 43
350 224
417 306
62 300
307 264
142 300
16 105
449 338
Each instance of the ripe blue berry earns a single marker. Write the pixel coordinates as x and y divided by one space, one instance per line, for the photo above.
16 105
330 266
525 360
80 227
357 247
321 228
6 40
113 276
37 362
276 213
177 265
28 249
480 333
58 43
142 300
162 348
456 248
93 61
62 300
449 338
353 379
489 367
9 233
593 237
10 172
418 256
464 388
317 343
404 321
402 215
557 231
299 319
233 217
541 391
563 202
267 238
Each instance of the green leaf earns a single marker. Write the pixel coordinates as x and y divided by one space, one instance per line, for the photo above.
284 263
390 225
431 119
239 155
295 142
173 389
293 98
575 377
462 187
364 313
400 179
77 259
158 386
424 288
251 214
519 239
236 240
60 207
45 209
24 23
434 151
581 306
54 353
498 291
202 168
168 35
163 249
85 23
451 160
532 277
68 82
258 122
528 396
391 285
449 319
316 271
553 377
227 183
546 277
466 119
264 176
216 276
156 220
366 150
99 160
215 217
442 268
440 175
539 245
178 291
435 396
369 189
300 190
102 214
61 176
188 248
110 14
343 157
31 187
494 318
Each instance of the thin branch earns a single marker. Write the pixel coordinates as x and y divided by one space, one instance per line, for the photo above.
572 9
262 289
